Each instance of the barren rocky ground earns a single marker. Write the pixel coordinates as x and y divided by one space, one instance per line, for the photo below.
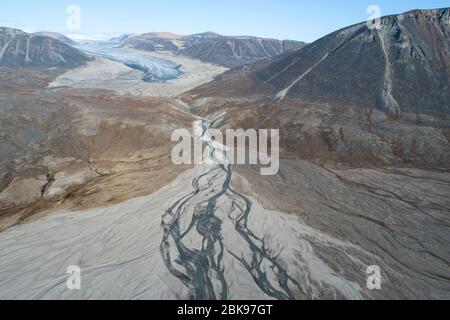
86 179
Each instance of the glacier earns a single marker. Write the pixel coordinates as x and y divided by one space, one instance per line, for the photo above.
155 69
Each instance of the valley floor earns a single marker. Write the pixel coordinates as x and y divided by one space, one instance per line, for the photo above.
111 75
323 227
86 179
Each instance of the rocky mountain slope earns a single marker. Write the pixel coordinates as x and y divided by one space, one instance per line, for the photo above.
357 96
214 48
236 51
404 66
20 49
56 36
360 184
56 141
364 124
152 41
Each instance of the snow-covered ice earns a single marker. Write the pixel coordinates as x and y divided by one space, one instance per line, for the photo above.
155 69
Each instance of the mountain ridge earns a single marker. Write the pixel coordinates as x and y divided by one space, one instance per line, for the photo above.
229 51
21 49
356 96
395 69
57 36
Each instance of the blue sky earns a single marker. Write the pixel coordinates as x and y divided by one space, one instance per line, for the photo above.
283 19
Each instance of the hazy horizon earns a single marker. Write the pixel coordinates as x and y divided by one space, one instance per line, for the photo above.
302 20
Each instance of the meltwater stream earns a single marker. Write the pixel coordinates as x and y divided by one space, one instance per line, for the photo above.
200 229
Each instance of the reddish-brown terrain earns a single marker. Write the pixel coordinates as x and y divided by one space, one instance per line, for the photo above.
86 178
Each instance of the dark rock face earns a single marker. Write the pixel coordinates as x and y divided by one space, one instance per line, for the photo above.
150 41
20 49
211 47
156 45
404 66
237 51
357 96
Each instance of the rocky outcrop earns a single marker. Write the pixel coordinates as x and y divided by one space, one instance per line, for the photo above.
211 47
56 140
20 49
403 67
152 41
